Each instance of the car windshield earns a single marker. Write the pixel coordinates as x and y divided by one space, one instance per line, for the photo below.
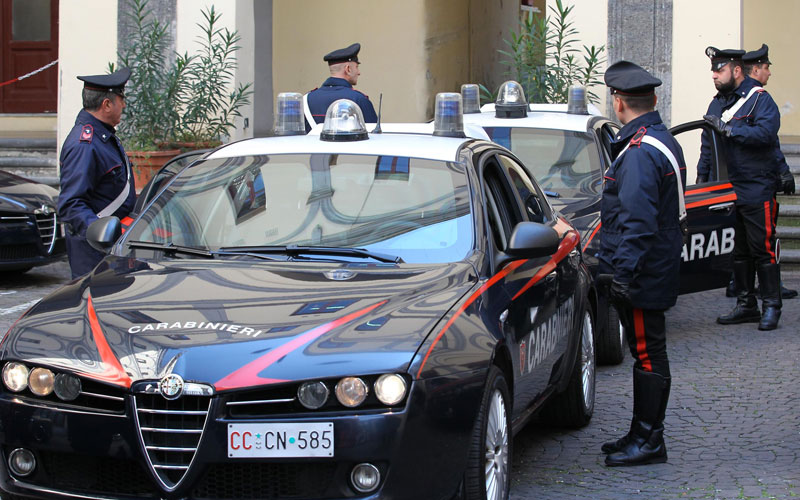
562 161
414 209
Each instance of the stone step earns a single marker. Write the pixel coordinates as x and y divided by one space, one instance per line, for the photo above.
28 144
790 260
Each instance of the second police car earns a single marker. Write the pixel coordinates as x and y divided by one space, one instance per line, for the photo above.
566 148
341 315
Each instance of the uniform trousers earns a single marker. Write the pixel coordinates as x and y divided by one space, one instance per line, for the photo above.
646 333
755 233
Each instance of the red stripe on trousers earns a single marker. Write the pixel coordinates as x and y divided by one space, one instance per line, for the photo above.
641 343
768 226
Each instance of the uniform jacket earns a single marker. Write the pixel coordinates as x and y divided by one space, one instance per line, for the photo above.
640 236
753 163
338 88
94 171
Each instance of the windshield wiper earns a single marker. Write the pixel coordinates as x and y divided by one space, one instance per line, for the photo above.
296 250
171 248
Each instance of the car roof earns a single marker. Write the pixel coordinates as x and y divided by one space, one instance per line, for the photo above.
546 116
415 145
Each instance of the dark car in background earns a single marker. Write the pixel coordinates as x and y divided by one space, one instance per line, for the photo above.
30 232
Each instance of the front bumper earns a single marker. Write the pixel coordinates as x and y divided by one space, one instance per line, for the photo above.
420 450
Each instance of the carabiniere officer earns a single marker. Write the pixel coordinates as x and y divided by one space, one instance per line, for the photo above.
96 177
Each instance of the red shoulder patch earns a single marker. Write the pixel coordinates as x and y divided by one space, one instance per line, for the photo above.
637 137
87 133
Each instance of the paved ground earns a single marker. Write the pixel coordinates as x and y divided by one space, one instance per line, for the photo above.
732 425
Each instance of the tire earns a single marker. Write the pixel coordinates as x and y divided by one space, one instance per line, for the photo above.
611 339
490 449
574 406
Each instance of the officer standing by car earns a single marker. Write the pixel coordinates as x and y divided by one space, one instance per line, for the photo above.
344 68
640 245
757 66
96 177
747 120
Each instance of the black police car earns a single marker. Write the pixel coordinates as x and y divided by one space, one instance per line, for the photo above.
566 147
30 233
340 315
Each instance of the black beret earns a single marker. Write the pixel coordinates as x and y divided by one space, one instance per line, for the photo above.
721 57
114 82
760 56
627 78
343 55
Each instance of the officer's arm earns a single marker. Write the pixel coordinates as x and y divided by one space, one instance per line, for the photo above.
761 127
638 183
367 110
77 179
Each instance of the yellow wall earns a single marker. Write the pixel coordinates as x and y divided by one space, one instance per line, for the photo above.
774 22
393 50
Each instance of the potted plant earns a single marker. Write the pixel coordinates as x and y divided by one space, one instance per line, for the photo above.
176 102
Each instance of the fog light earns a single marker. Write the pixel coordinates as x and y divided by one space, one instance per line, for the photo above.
67 387
313 395
15 376
41 381
351 391
21 462
365 478
390 389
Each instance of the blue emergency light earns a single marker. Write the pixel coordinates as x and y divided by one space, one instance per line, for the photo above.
576 100
471 98
289 114
448 120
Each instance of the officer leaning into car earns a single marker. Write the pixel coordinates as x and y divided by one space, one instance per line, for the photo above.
344 68
747 120
96 177
640 244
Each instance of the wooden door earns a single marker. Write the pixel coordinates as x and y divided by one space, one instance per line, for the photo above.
29 39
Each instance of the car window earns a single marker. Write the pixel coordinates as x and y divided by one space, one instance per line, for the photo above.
416 209
533 201
562 161
502 205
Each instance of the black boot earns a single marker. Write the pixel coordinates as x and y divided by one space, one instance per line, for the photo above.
645 443
746 310
769 275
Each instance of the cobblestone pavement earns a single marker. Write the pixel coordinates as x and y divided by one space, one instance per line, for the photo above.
732 425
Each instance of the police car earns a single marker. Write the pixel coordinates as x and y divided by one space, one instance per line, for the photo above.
566 148
340 315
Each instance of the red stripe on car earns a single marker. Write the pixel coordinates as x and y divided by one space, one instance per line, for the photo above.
710 201
113 371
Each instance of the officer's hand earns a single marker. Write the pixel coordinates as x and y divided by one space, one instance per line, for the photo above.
619 293
701 179
718 125
787 183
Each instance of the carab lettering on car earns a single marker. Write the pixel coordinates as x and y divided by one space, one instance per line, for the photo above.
541 342
194 325
719 242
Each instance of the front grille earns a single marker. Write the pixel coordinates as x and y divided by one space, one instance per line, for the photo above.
265 481
94 475
171 431
18 252
47 230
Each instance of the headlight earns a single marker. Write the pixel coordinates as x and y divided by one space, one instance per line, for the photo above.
351 391
313 395
67 387
15 376
390 389
41 381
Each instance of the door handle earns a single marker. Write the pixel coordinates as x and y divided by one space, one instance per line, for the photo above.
721 206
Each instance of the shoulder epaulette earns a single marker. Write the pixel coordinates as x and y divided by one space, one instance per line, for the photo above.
637 137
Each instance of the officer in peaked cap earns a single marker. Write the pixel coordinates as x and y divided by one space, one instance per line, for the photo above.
344 69
747 120
96 177
640 246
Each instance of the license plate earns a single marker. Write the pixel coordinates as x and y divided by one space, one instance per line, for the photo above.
285 440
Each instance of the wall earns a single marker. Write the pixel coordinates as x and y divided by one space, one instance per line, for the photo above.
490 23
393 49
446 50
774 22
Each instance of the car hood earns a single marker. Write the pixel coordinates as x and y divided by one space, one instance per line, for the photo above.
237 324
18 194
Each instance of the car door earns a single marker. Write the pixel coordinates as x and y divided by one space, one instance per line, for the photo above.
530 300
706 260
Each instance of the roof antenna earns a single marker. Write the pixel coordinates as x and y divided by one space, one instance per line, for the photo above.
377 129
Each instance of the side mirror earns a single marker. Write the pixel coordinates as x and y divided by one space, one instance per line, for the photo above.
103 233
531 239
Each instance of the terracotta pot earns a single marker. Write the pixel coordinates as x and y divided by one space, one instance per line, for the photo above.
147 163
